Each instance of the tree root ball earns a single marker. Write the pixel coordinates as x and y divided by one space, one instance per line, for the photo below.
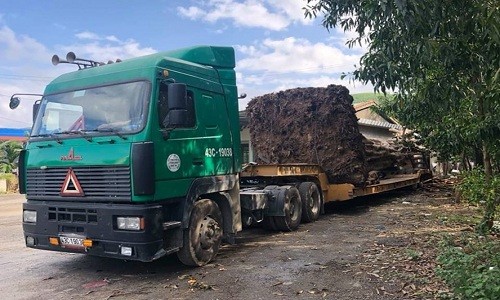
309 125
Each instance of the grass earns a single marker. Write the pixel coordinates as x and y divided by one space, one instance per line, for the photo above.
364 97
7 176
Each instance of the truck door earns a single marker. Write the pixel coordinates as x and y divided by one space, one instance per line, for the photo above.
199 147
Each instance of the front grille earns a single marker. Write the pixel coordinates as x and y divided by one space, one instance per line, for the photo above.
97 183
73 215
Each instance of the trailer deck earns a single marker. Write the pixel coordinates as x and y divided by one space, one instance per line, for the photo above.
331 191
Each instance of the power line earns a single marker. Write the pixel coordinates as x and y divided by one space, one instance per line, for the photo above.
287 72
12 120
26 79
24 76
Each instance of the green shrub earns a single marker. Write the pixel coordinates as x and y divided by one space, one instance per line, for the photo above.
471 267
12 182
477 190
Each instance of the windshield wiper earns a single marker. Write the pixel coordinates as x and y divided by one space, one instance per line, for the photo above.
113 130
41 135
79 132
51 135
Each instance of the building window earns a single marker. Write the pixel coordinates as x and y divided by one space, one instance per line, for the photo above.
245 153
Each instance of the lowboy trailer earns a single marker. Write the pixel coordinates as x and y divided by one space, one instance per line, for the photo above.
261 181
141 158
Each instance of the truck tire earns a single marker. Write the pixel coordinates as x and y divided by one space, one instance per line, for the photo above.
268 222
292 209
311 201
201 241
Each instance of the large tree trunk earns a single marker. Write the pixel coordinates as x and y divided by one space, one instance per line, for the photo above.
309 125
488 171
491 204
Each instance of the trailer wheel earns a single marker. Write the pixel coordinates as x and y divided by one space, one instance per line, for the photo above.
293 209
202 239
311 201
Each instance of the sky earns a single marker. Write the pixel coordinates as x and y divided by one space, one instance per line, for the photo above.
276 47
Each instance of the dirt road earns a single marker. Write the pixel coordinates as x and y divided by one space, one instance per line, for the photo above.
326 259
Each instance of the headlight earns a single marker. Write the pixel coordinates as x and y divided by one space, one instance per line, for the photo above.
29 216
130 223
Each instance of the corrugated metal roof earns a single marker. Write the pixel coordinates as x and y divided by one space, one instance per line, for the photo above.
379 124
364 105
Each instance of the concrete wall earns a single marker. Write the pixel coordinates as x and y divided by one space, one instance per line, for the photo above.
381 134
3 185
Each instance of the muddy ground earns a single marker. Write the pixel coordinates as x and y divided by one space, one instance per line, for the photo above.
373 248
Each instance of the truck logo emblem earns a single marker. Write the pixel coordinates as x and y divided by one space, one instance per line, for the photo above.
71 185
71 156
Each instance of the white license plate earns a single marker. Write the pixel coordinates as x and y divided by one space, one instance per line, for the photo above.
71 242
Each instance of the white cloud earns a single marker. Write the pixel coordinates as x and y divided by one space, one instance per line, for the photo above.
104 48
20 72
26 66
112 38
86 35
292 8
253 86
272 65
293 55
271 14
15 48
322 81
191 12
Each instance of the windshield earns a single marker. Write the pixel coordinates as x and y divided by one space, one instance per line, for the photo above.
116 108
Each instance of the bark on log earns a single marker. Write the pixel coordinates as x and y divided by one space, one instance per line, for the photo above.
309 125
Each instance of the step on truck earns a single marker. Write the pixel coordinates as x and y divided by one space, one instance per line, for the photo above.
141 158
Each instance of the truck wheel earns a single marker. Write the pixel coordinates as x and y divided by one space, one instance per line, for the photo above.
293 209
202 239
311 201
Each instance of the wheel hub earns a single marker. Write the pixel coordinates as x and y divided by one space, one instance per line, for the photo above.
210 232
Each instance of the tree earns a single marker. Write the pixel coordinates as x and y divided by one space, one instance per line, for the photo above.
442 57
9 154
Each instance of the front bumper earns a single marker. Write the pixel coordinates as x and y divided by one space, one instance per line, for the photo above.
97 222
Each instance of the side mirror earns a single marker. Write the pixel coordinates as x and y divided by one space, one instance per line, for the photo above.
36 108
177 96
177 115
14 102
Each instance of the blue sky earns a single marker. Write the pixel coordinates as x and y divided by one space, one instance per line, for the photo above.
276 47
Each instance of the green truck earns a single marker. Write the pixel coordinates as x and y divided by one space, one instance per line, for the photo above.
141 158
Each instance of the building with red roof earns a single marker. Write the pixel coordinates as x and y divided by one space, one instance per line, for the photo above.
14 134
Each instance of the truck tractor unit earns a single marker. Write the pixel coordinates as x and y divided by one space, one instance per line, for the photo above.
141 158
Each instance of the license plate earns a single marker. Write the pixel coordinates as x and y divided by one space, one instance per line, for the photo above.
71 242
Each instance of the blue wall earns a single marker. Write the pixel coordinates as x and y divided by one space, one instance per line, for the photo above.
17 132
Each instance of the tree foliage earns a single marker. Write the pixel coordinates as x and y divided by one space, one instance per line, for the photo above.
9 154
441 57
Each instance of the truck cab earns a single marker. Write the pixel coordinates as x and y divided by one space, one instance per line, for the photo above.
136 159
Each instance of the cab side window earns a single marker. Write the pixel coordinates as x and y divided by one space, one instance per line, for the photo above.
162 104
191 112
